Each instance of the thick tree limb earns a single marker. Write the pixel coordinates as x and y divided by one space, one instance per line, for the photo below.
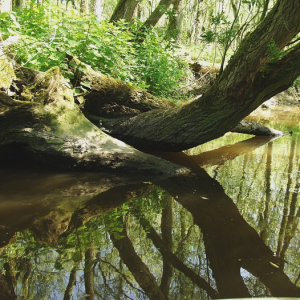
242 87
106 90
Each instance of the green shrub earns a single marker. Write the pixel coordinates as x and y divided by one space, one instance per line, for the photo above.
48 35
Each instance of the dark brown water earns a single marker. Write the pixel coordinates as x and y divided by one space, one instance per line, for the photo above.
230 230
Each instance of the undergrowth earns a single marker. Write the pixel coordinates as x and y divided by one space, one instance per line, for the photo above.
47 35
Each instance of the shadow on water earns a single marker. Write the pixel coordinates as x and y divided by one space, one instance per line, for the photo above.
99 236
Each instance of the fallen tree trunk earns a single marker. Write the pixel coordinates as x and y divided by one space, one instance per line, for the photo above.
254 128
251 77
110 102
53 130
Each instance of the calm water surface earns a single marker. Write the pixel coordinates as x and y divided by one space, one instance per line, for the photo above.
230 230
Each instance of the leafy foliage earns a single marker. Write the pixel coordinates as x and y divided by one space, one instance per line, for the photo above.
47 35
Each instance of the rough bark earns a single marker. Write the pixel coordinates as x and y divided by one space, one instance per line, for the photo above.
265 9
251 77
51 127
111 101
106 90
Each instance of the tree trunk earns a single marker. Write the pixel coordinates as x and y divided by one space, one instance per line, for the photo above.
95 6
106 92
255 129
265 9
89 264
136 266
175 20
124 10
158 12
253 75
84 6
52 129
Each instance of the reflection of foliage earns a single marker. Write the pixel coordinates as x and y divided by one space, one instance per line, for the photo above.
247 180
265 190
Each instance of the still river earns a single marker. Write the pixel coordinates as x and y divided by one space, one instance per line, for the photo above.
230 230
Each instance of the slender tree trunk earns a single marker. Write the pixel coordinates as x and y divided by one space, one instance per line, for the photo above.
18 4
84 6
124 10
95 6
235 10
175 20
252 76
166 230
89 272
158 12
71 282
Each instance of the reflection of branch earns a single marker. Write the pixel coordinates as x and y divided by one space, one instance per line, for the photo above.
104 279
71 282
105 202
121 274
136 266
230 242
174 260
166 230
89 272
221 155
218 156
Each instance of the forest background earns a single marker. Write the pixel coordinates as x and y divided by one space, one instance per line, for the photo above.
107 36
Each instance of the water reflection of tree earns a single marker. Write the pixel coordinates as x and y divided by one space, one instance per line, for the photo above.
230 244
290 214
263 217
